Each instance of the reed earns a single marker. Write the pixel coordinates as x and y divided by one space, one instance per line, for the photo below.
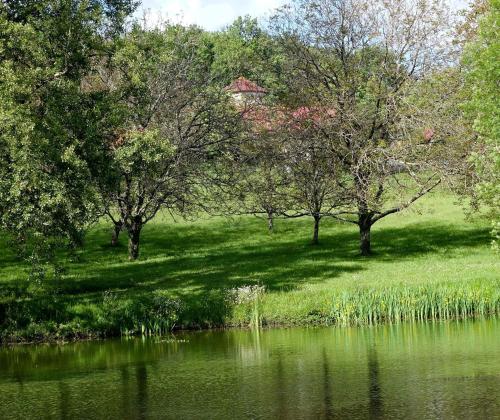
388 304
403 303
152 315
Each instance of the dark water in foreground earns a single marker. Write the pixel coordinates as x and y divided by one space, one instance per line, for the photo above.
426 371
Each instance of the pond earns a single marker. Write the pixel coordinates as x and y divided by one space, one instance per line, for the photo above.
413 371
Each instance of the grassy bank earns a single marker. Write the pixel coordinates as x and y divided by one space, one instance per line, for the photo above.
432 265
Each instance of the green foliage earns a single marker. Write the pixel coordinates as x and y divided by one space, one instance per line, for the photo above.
481 57
52 125
142 152
155 314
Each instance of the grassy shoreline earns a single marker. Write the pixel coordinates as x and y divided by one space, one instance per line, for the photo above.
359 307
231 273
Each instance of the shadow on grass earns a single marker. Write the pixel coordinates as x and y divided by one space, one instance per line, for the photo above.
198 257
194 259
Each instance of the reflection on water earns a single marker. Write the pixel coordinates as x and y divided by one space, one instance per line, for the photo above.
375 406
125 392
327 389
141 375
414 371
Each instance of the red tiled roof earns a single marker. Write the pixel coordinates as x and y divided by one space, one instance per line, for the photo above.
242 85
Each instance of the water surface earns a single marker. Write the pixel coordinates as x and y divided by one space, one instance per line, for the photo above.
414 371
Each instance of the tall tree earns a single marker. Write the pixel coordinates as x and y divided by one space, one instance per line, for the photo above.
262 184
177 126
52 127
315 176
287 170
359 59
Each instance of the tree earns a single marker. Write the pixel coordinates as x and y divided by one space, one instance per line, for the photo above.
245 49
481 60
261 183
176 128
52 127
287 168
315 176
361 59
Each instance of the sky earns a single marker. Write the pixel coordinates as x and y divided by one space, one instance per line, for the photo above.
209 14
215 14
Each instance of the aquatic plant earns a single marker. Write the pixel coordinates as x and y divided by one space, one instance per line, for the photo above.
412 303
152 315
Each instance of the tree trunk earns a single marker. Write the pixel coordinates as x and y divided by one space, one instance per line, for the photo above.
116 232
315 239
364 240
365 225
270 221
134 233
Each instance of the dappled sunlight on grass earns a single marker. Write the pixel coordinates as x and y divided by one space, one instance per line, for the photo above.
223 253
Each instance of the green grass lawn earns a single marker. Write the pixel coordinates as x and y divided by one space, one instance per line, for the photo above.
196 263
